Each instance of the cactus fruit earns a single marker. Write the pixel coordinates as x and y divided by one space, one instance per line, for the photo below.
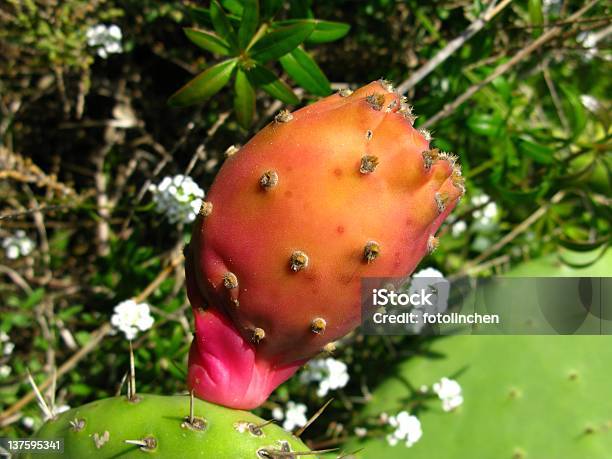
164 427
342 189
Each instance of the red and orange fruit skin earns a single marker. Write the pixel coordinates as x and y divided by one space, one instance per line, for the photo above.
342 189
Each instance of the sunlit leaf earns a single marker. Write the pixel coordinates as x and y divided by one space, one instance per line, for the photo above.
222 24
324 32
281 41
260 76
244 99
208 41
248 25
205 85
305 71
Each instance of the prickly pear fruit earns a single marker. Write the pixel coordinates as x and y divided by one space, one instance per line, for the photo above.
342 189
162 427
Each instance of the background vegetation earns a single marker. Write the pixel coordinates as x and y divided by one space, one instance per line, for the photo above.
85 129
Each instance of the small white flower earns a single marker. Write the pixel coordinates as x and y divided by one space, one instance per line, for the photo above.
458 228
294 415
5 371
590 102
7 345
18 245
449 391
178 197
106 39
407 428
486 215
8 348
28 422
131 317
277 413
430 280
361 432
329 373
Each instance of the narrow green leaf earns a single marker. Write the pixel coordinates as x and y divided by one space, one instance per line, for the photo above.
305 71
205 85
281 41
208 41
535 16
324 32
203 18
270 7
260 76
484 124
582 246
200 15
222 24
250 20
244 99
574 109
233 6
540 153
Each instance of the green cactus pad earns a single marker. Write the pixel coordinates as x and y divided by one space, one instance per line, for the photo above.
100 430
525 397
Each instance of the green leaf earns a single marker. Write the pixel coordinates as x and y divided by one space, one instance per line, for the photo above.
538 152
305 71
248 25
270 7
582 246
207 41
260 76
281 41
205 85
200 15
535 16
233 6
324 32
244 99
222 24
483 124
574 109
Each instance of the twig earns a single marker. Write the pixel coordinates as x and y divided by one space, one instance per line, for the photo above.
453 46
448 109
523 226
555 98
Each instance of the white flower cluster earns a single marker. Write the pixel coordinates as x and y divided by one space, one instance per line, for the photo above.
407 429
294 415
106 39
329 373
488 213
18 245
7 345
449 391
178 197
131 317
